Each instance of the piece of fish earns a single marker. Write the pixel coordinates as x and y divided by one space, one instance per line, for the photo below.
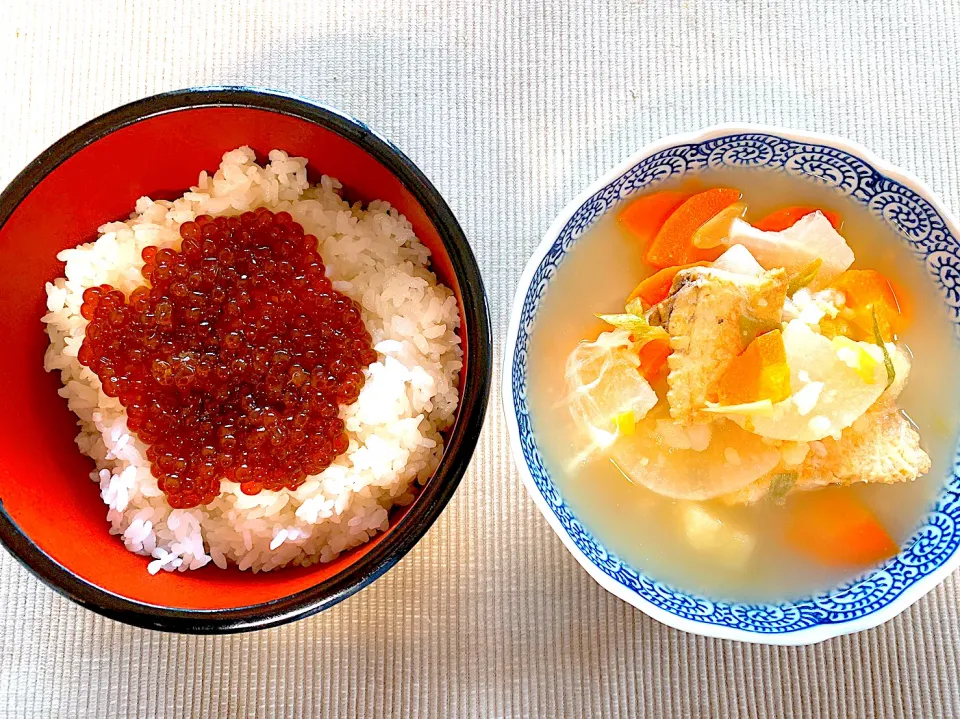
882 446
703 316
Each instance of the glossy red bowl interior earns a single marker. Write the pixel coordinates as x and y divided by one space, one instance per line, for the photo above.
158 151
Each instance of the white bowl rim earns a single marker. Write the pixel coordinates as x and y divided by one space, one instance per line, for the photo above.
809 635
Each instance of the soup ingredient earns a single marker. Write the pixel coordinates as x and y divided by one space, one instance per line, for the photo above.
817 309
887 361
632 320
750 409
723 541
793 249
713 232
653 358
625 423
673 244
838 326
657 286
882 446
701 316
760 372
395 428
781 484
644 216
789 216
233 361
605 388
836 529
841 395
804 277
738 260
856 355
869 293
751 327
695 462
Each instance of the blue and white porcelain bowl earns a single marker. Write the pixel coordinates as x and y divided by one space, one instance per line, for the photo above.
894 197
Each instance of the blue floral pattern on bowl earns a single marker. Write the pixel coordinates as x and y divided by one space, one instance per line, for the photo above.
934 542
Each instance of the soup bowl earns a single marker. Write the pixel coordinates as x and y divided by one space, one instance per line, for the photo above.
893 197
51 515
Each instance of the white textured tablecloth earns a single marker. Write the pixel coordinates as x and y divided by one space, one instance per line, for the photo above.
511 107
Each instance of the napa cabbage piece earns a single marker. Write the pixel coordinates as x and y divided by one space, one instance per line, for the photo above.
606 393
797 248
634 321
834 383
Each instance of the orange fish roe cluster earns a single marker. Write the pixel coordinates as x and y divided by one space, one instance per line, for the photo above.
234 358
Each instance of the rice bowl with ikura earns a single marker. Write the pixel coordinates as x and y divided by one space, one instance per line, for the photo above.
373 428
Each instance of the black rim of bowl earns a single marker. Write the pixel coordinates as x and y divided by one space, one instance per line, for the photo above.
462 439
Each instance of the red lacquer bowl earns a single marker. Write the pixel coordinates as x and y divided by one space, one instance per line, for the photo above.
51 515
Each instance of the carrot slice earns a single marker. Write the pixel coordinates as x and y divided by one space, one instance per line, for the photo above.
644 216
673 244
835 528
657 286
868 292
788 216
653 358
760 372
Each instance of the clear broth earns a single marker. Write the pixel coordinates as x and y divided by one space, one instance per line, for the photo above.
642 527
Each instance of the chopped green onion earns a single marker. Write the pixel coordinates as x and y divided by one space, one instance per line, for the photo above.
804 277
780 485
887 360
750 327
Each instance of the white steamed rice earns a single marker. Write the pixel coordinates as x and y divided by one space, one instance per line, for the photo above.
409 398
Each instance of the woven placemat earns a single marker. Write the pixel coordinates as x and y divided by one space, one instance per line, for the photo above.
511 107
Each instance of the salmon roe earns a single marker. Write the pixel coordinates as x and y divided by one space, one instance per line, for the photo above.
233 358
